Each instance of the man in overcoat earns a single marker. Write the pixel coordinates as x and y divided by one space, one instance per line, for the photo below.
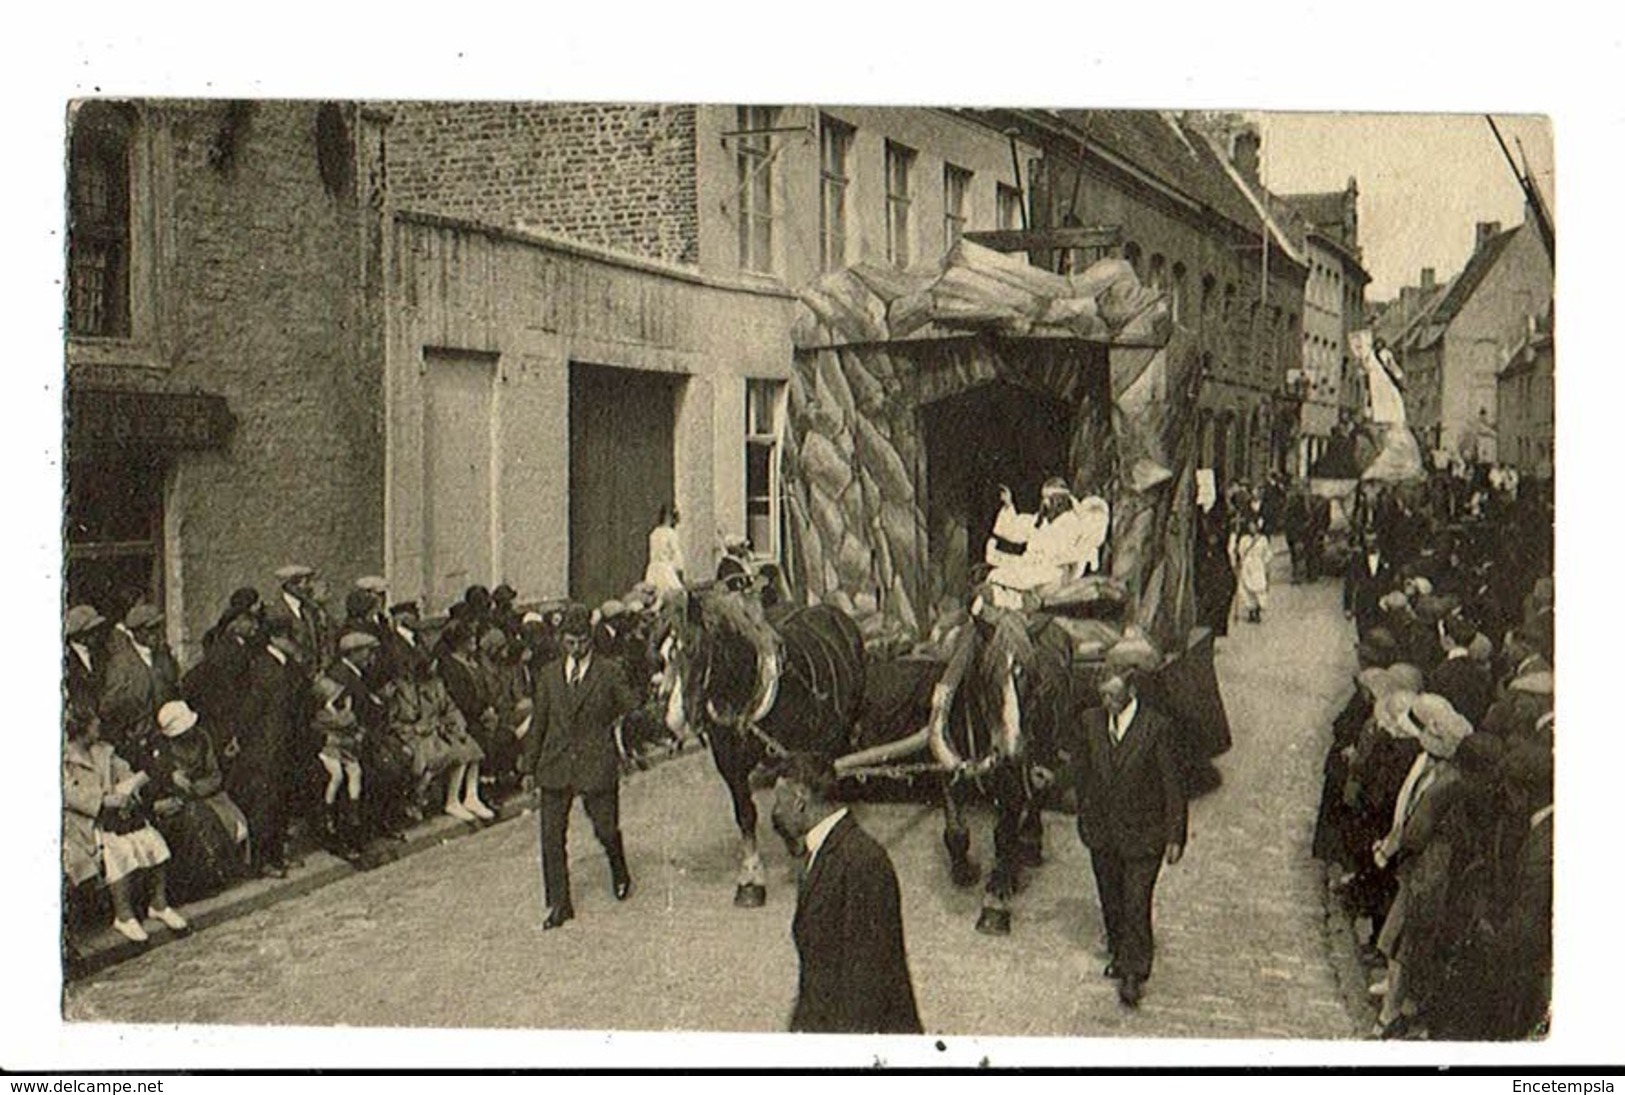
270 726
848 926
579 698
1131 809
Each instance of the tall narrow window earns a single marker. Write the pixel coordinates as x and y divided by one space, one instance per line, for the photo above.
1009 208
835 138
754 160
955 197
99 221
899 202
763 416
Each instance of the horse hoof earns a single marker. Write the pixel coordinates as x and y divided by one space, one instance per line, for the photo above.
965 875
994 922
750 895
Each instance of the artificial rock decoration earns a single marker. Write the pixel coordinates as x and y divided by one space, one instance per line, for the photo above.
876 344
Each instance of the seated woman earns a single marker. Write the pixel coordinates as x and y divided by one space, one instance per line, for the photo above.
206 831
423 716
106 829
1060 542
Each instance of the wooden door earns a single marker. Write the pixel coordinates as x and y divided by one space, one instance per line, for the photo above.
621 473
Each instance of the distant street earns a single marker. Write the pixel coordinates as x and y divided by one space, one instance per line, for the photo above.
449 937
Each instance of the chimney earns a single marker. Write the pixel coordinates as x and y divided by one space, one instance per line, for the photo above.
1485 230
1244 151
1427 279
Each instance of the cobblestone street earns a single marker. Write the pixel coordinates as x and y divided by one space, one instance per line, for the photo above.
449 937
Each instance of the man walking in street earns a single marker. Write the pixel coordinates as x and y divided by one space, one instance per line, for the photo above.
848 925
579 699
1131 809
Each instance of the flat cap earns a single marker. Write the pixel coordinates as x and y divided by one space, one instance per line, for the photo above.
294 570
356 640
372 583
82 618
143 615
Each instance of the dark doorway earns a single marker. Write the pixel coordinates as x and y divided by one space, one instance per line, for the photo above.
997 433
621 474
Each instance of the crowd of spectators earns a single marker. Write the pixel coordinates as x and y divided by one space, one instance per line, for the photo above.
1436 814
300 728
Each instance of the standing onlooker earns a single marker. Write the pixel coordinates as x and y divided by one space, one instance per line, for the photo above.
83 676
1295 525
510 691
101 789
215 686
1422 799
1131 809
666 565
1250 554
578 700
139 679
1459 678
270 722
848 926
1215 578
311 628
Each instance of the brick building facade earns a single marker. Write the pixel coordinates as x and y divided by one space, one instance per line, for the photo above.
621 176
225 350
1193 221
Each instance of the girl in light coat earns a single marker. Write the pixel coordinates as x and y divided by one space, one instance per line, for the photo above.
1250 554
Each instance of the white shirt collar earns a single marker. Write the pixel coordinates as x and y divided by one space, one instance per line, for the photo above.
352 666
1119 725
574 668
1372 562
405 633
1541 815
819 833
83 652
294 604
277 654
1456 652
142 652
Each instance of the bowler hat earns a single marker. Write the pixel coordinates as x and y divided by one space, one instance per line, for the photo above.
504 594
577 621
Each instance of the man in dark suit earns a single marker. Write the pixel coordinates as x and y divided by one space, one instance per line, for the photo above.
270 721
311 626
579 698
848 925
1131 809
1459 678
1369 577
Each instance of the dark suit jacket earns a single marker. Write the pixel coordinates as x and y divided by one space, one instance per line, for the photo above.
271 717
1362 591
1131 799
1467 686
576 747
848 930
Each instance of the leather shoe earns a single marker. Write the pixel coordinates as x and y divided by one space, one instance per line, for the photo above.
556 918
623 888
1128 991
